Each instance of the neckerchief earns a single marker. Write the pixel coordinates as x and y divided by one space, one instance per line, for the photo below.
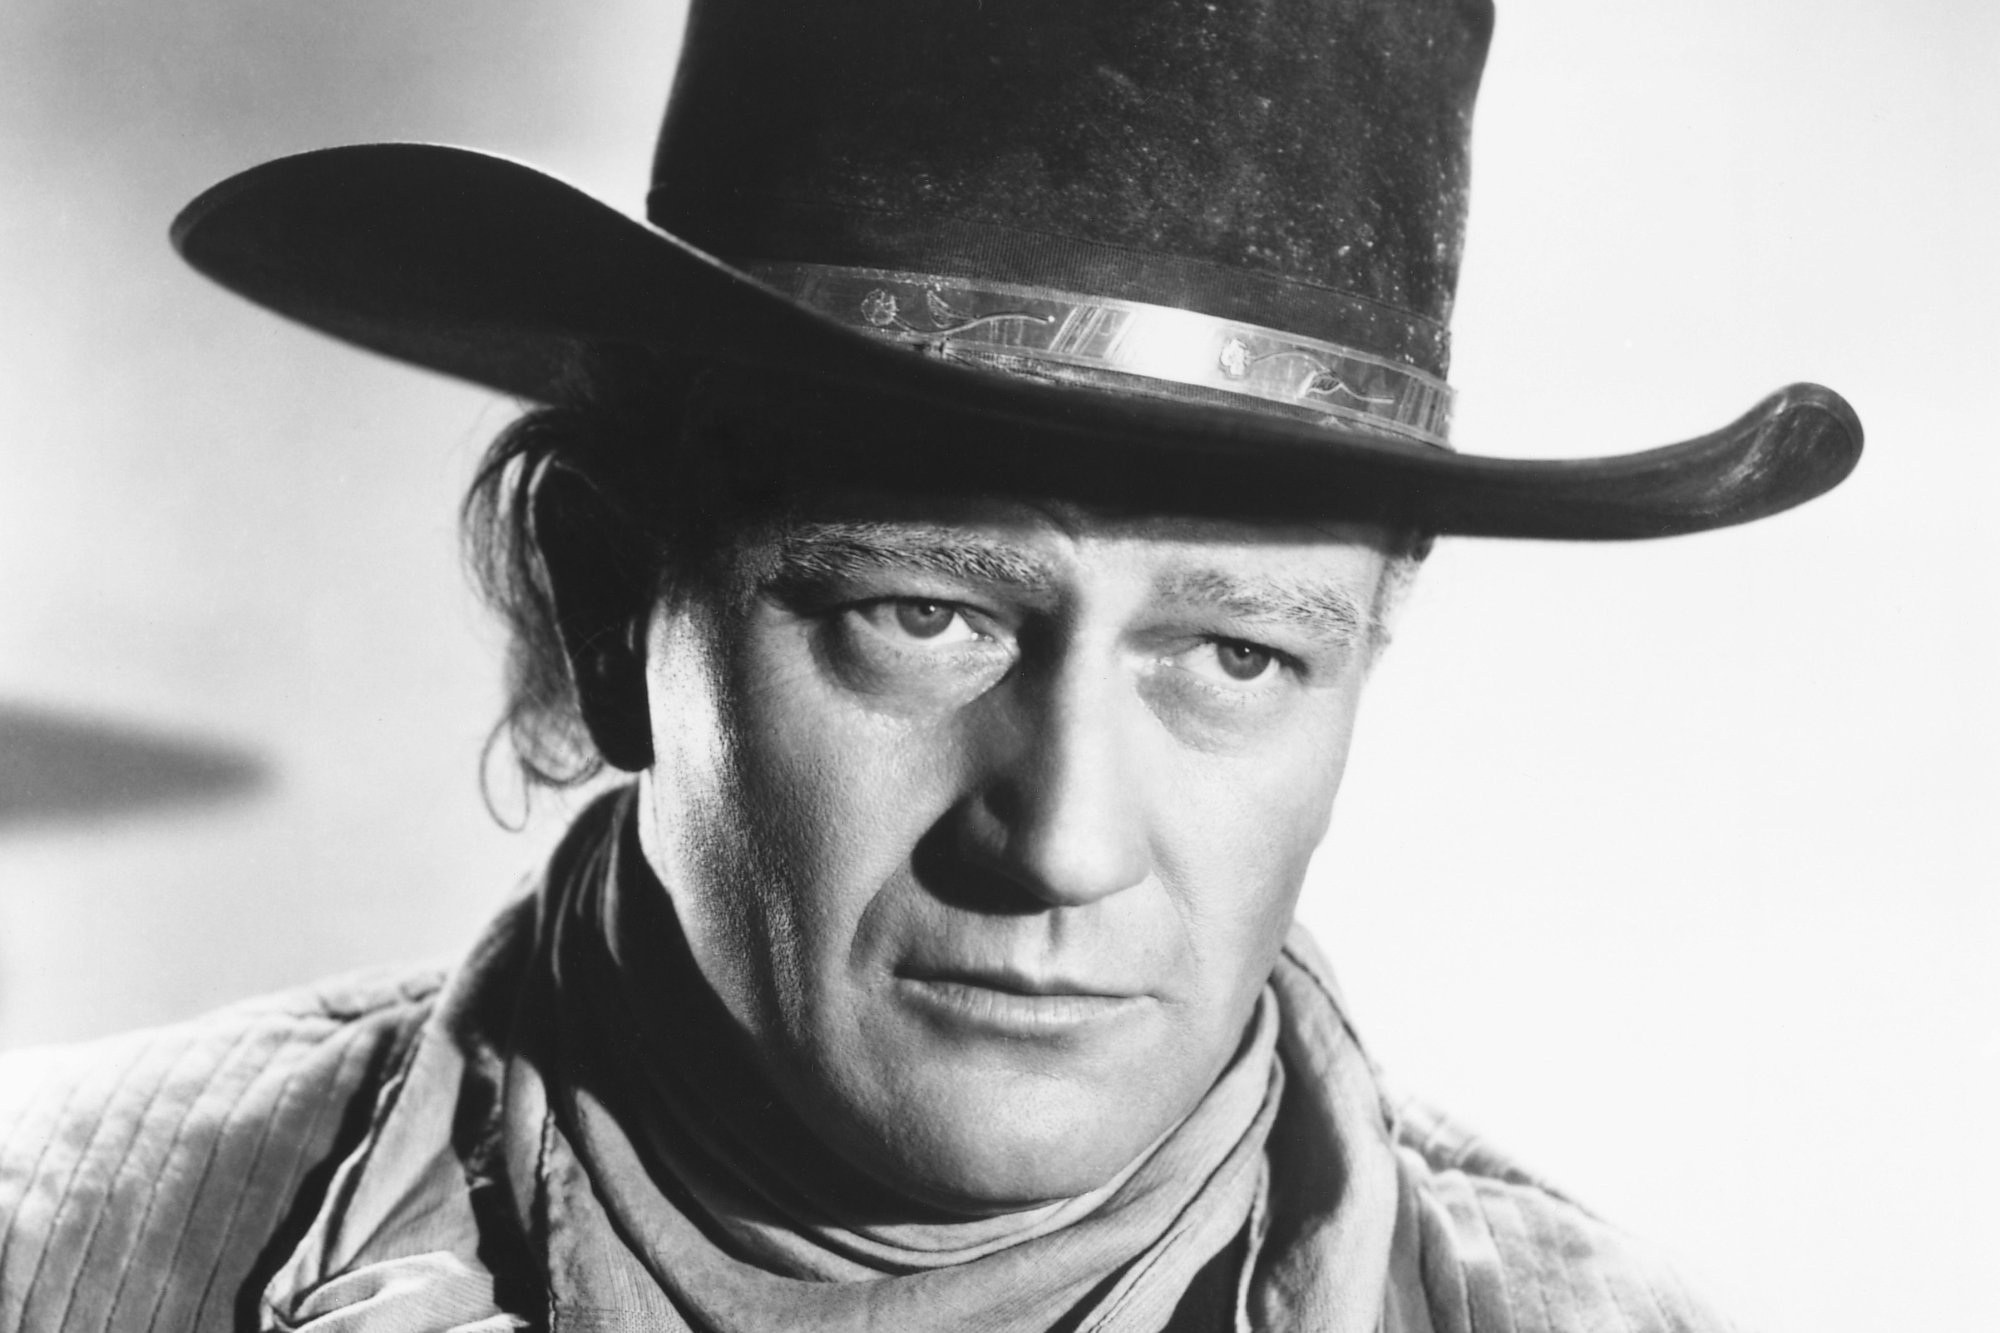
536 1161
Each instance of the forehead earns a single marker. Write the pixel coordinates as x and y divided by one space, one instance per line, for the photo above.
1037 538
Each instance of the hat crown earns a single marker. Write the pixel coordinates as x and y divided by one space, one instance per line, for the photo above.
1298 164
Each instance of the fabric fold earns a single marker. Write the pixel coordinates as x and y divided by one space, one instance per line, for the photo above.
631 1200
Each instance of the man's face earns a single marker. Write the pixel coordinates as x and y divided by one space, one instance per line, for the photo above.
986 820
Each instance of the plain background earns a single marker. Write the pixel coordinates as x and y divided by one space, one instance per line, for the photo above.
1670 866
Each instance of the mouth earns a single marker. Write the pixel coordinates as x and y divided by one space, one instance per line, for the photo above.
1015 1004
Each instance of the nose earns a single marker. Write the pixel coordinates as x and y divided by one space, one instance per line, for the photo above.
1061 813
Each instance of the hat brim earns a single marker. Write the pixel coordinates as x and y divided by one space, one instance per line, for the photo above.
491 271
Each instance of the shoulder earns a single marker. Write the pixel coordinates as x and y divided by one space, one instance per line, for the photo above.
144 1177
1500 1248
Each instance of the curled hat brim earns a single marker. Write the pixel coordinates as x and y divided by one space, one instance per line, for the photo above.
491 271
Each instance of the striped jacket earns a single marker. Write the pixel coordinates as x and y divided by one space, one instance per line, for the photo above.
156 1181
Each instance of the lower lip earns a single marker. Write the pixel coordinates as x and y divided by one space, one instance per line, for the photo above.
1012 1013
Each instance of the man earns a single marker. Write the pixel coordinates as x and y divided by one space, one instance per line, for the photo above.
972 516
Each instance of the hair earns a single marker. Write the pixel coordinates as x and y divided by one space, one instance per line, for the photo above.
539 718
658 503
668 481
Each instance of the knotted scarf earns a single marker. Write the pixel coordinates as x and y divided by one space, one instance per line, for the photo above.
581 1139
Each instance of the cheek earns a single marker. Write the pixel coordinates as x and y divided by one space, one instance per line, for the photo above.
844 793
1241 835
829 798
769 828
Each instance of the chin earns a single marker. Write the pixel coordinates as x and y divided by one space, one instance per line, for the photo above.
995 1146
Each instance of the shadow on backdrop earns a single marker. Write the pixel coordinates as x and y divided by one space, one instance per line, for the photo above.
58 767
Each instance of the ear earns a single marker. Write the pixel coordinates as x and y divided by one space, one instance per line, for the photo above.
599 577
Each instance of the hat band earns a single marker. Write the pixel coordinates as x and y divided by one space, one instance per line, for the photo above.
1044 332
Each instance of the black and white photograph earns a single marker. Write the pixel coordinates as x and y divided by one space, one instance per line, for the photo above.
1118 666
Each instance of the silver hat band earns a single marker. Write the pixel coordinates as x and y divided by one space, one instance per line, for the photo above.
1037 329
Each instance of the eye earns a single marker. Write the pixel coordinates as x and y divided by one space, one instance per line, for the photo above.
933 623
1242 661
916 652
924 620
1229 663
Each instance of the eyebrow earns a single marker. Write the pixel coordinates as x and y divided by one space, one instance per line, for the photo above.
1318 607
817 551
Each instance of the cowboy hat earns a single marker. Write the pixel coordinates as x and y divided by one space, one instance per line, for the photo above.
1207 238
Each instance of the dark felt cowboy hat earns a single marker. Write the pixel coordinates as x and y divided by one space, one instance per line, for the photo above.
1209 238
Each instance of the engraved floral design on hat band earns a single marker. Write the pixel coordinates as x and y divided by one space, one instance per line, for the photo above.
1016 326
